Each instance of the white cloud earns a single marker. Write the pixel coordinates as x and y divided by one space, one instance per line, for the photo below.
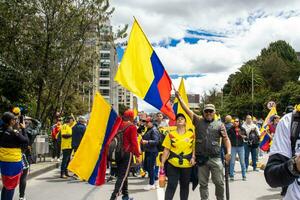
248 25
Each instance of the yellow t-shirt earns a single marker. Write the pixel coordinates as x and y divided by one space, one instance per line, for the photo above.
66 143
178 144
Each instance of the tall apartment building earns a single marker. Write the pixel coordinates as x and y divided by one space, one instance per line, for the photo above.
108 66
125 97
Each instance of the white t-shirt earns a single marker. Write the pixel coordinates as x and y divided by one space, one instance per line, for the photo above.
282 145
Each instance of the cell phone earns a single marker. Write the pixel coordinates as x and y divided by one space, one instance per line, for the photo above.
21 119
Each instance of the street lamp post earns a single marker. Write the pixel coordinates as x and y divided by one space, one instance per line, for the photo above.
252 89
221 94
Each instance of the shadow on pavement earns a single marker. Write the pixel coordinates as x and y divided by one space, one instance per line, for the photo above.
137 191
269 197
88 194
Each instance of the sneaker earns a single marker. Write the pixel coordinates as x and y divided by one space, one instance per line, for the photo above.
150 187
156 184
256 170
22 198
58 160
231 178
244 178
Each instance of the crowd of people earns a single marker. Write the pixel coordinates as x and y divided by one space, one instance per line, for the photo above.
151 147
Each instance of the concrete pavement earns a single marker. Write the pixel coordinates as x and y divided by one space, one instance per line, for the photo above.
49 186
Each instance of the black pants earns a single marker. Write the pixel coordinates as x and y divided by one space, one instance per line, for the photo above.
176 174
23 181
56 149
123 168
65 161
7 194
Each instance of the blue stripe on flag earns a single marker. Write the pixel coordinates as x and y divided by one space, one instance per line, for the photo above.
111 121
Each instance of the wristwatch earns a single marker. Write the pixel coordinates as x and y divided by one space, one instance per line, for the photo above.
292 166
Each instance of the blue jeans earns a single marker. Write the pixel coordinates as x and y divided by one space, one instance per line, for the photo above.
253 152
149 165
241 152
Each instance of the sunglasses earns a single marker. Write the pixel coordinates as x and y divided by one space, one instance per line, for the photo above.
144 121
236 121
208 111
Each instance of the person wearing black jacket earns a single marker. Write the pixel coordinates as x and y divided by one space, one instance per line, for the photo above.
11 141
237 134
283 167
150 141
77 133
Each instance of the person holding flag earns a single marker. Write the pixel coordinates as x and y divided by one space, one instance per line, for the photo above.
268 130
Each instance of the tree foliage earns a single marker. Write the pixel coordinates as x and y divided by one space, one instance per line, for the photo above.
275 76
48 49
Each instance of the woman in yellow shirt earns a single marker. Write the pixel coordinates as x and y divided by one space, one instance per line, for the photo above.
179 146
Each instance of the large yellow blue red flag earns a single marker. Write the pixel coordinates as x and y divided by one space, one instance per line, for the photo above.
89 162
142 73
177 107
265 140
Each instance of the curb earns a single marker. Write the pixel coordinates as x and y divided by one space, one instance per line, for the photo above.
42 171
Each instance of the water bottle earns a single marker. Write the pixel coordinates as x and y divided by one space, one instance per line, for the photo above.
162 178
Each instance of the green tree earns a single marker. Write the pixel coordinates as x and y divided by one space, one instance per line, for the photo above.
50 47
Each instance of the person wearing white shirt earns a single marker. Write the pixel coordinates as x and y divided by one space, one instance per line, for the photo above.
250 126
283 167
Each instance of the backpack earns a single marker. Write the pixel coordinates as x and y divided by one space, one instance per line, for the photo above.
253 139
295 130
115 150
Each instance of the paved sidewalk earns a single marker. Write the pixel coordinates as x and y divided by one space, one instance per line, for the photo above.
42 167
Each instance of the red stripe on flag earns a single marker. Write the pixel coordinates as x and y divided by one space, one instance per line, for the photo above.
164 87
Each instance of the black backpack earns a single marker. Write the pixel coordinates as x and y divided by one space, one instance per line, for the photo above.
115 149
253 139
295 130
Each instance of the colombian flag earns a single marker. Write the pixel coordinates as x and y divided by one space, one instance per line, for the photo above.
89 162
11 173
265 140
177 107
142 73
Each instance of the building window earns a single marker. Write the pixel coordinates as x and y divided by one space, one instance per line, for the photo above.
104 83
104 74
104 92
105 55
104 65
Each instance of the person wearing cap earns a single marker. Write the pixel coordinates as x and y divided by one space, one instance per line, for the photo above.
130 146
77 133
208 133
11 142
66 146
179 152
150 142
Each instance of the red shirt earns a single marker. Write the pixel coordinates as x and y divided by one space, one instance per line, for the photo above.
130 142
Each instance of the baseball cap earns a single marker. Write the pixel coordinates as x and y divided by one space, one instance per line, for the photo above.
180 115
209 107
